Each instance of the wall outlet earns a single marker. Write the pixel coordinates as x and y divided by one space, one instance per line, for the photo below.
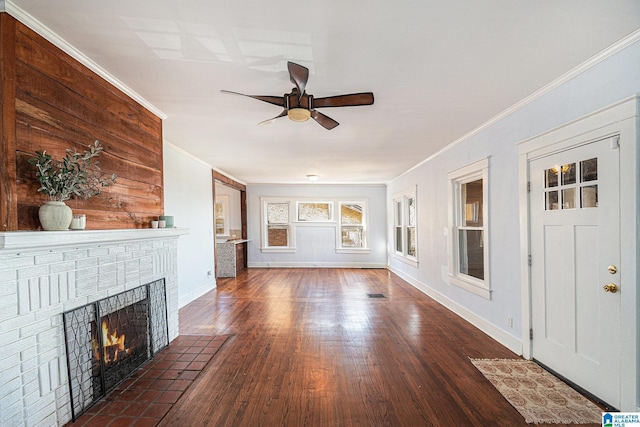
209 273
510 321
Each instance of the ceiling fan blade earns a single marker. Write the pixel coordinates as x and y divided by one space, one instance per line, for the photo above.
350 100
275 100
325 121
299 76
269 121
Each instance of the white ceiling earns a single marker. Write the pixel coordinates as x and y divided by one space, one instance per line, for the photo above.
438 70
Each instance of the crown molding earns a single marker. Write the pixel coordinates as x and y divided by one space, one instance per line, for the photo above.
42 30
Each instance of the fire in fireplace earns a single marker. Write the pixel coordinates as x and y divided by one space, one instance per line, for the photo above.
109 339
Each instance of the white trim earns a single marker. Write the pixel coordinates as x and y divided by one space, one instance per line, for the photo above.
576 71
353 250
316 265
512 343
462 175
59 42
619 118
185 153
196 293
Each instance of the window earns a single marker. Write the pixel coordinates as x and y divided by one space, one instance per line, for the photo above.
315 211
277 233
222 215
571 187
469 238
405 222
281 217
352 231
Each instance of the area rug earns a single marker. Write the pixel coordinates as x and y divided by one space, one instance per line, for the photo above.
540 397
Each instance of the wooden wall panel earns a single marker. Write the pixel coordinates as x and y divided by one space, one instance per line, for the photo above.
55 103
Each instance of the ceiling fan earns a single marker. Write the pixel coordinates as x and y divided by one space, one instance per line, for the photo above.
299 106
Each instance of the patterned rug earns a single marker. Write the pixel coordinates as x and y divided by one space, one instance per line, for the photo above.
540 397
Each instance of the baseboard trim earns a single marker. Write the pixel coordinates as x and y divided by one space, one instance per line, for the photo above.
316 265
512 343
196 293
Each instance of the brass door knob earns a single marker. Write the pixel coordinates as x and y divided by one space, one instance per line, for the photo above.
611 287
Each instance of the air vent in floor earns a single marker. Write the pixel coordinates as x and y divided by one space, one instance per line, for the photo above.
376 296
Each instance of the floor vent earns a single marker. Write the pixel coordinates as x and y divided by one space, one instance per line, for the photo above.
376 296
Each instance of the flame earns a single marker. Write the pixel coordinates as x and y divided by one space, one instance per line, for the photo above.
111 339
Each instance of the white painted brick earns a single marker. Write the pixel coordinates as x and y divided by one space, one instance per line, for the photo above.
9 361
49 258
16 261
31 272
9 301
47 312
124 256
116 249
44 380
61 267
33 328
10 374
30 388
98 251
10 405
49 419
75 254
34 294
10 388
23 344
8 276
16 420
29 365
8 288
9 336
86 262
107 280
83 273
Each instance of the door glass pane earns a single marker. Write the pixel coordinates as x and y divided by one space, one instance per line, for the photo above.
569 198
589 170
352 237
277 213
411 238
471 253
569 174
278 236
552 200
550 178
589 196
471 195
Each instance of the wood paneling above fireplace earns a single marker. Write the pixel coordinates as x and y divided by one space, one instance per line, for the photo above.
52 102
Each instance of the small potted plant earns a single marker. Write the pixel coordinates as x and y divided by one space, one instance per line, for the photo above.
77 175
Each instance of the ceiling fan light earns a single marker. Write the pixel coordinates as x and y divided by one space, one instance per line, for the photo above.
299 114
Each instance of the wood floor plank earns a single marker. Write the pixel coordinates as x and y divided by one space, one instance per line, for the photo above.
307 347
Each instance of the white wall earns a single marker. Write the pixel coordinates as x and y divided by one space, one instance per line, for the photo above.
188 197
611 80
316 245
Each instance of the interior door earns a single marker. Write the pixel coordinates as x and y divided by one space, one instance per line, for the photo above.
575 253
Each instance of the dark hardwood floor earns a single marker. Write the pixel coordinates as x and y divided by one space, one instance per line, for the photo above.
307 347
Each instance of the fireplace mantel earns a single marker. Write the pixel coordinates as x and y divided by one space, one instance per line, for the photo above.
21 240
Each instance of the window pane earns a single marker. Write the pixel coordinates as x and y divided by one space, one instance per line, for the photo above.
351 214
551 178
589 196
552 200
278 213
569 174
314 212
411 206
589 170
278 236
411 239
398 239
471 253
569 198
471 195
398 213
352 237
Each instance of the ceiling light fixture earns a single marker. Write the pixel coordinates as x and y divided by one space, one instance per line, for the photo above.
313 178
299 114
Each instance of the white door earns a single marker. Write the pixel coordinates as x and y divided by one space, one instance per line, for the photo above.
575 253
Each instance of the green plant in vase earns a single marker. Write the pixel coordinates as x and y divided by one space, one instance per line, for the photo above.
76 175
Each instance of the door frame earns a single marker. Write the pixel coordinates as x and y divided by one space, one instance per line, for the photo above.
620 119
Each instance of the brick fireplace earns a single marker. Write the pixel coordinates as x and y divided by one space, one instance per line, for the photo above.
42 275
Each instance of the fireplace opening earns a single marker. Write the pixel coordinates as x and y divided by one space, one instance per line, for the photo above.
109 339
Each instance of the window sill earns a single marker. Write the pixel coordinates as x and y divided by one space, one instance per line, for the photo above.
282 250
353 250
470 286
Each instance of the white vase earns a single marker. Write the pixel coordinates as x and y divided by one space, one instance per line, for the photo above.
55 216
